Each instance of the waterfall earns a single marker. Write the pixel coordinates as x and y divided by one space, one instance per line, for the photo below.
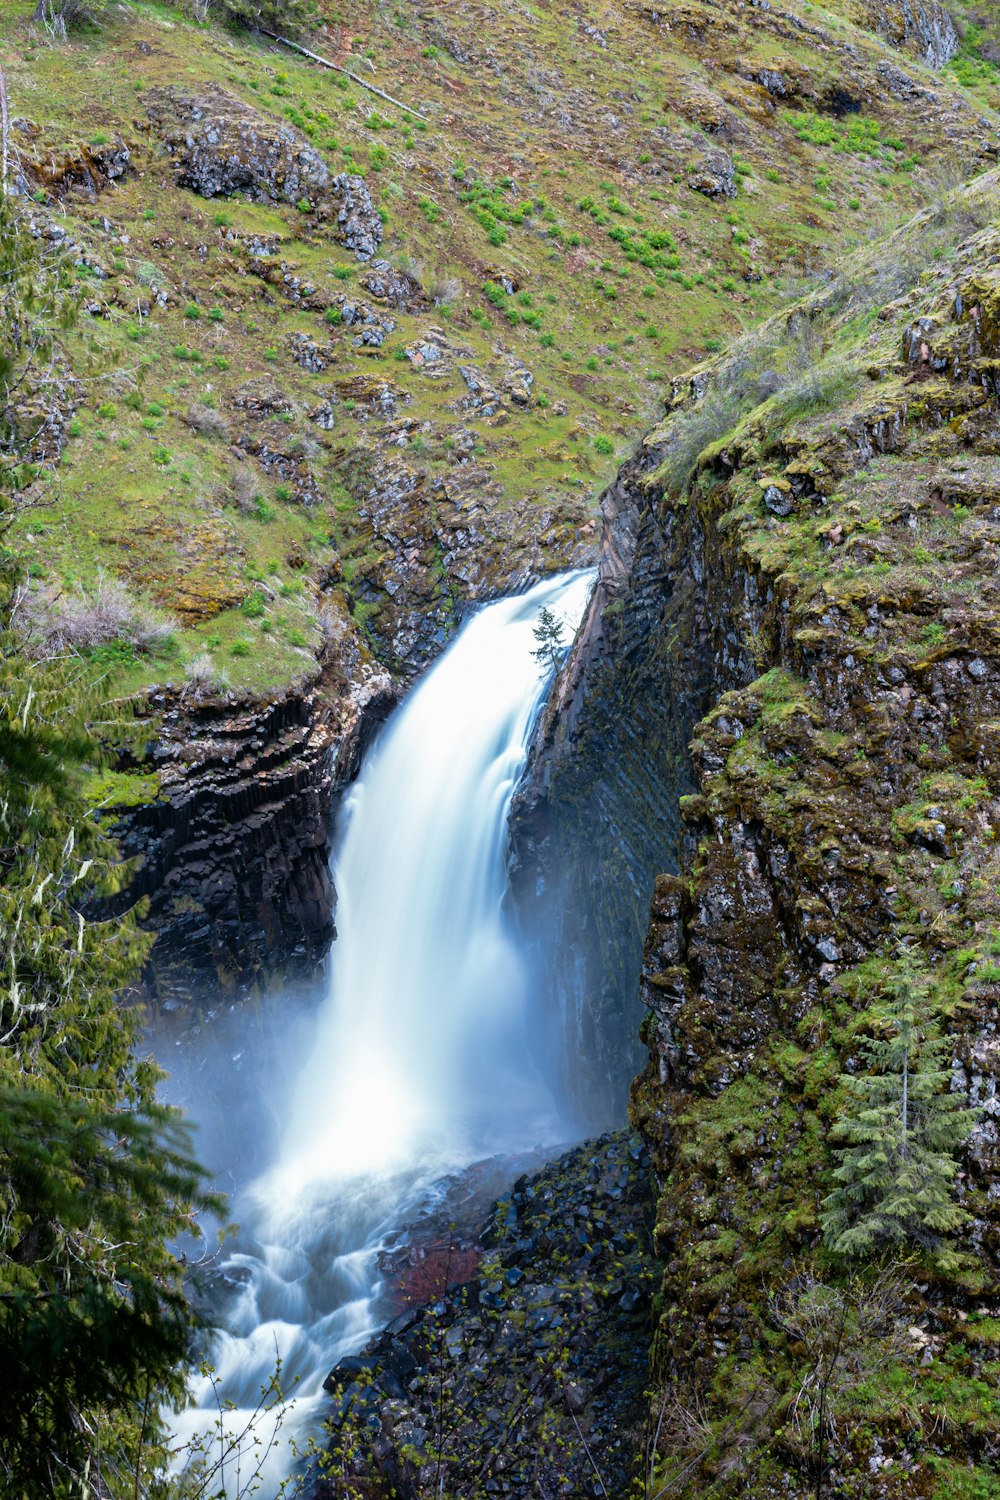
426 1051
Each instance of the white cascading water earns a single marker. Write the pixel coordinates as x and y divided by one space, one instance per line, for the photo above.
422 1060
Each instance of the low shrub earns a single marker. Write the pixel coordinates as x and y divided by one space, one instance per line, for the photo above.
204 678
84 621
202 419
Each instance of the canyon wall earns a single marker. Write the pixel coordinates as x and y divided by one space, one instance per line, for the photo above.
807 547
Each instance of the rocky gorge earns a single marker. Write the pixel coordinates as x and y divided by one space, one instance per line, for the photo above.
233 841
835 806
763 793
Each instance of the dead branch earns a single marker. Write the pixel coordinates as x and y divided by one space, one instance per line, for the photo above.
4 133
336 68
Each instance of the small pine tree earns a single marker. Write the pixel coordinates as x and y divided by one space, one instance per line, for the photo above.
901 1129
549 634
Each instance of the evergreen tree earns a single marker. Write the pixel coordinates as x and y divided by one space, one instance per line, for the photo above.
96 1176
901 1128
549 634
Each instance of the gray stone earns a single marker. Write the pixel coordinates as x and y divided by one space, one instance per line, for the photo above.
777 502
715 177
220 146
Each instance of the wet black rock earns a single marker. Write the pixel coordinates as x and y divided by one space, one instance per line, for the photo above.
235 860
527 1377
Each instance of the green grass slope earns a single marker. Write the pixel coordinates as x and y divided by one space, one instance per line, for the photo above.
596 195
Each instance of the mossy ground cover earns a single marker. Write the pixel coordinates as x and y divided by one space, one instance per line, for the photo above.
565 181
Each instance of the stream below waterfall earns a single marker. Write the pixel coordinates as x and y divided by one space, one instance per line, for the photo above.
426 1054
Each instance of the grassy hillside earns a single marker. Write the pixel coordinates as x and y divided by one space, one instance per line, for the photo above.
594 196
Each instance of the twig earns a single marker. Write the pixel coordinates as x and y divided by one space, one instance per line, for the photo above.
590 1457
142 1440
336 68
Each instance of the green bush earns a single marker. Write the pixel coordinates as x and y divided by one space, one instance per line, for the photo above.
857 135
254 605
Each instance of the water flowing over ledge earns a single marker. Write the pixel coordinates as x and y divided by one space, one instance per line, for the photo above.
428 1048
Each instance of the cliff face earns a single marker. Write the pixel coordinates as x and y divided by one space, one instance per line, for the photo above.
234 850
924 27
610 755
815 549
378 372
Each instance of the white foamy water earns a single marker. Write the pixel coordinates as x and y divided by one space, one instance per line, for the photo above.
423 1058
